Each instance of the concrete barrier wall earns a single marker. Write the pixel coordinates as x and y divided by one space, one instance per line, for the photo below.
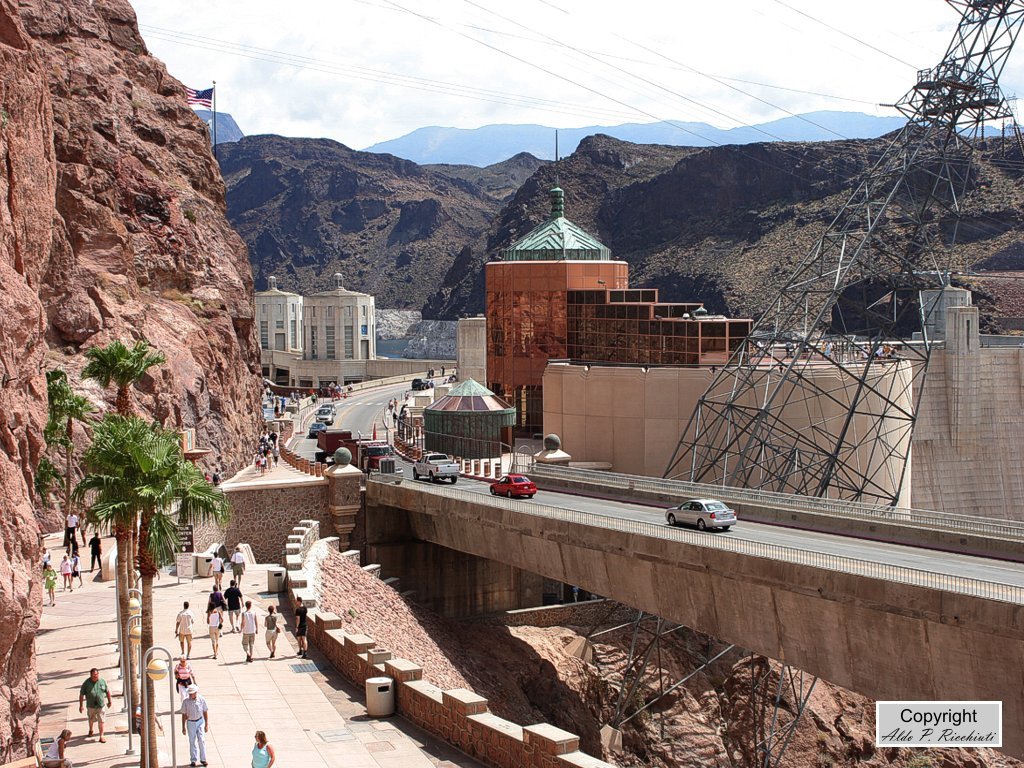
459 717
964 542
884 639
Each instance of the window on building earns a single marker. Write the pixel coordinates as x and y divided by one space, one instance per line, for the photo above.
263 310
264 334
330 311
295 336
349 343
329 339
279 342
312 343
348 311
279 325
364 310
364 330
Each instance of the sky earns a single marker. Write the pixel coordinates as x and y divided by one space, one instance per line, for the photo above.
365 71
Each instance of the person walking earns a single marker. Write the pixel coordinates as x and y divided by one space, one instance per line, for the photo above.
262 752
300 626
234 597
95 552
92 696
65 572
238 564
249 627
70 529
50 582
217 570
76 568
183 624
273 622
184 676
215 620
195 723
56 753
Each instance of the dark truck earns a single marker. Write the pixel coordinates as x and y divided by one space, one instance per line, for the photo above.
330 440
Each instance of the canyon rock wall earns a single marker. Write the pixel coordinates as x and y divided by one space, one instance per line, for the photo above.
112 226
28 182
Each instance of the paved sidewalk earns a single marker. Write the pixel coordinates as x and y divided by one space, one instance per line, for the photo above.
312 716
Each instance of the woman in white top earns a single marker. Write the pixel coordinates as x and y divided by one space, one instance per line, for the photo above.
55 757
215 619
65 572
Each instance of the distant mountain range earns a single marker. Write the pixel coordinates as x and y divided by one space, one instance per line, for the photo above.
227 128
493 143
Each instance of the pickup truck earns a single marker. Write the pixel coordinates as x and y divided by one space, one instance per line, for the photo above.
436 466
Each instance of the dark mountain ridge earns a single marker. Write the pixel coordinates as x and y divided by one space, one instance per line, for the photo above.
722 225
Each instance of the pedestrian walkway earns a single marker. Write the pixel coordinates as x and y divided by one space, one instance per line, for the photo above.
312 716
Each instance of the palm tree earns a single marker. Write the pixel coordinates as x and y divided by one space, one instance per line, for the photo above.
137 469
123 366
64 409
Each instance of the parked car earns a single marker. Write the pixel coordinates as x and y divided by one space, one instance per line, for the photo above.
315 429
514 485
325 414
704 513
418 384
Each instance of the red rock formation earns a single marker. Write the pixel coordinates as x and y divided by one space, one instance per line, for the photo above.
111 227
27 187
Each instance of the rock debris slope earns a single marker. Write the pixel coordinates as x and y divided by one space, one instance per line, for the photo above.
112 226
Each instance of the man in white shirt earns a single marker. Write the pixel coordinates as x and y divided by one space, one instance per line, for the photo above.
217 569
183 624
249 627
238 565
195 722
70 529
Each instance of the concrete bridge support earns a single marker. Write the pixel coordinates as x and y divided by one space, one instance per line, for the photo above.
452 583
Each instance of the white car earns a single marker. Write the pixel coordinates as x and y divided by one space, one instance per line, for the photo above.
325 414
704 513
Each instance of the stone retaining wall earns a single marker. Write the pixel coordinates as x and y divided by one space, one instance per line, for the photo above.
459 717
264 516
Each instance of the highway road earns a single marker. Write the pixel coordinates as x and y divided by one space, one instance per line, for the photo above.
362 410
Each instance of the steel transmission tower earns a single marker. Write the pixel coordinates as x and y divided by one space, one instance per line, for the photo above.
821 398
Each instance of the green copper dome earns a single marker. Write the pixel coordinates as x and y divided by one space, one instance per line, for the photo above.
557 239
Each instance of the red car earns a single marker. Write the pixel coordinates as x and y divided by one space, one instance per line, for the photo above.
514 485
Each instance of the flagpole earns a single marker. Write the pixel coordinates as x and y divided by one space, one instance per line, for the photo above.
214 119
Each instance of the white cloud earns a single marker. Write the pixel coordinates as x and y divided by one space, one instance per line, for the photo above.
362 71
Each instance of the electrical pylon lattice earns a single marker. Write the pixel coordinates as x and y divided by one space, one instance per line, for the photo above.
821 398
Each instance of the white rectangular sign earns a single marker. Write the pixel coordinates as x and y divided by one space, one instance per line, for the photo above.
939 723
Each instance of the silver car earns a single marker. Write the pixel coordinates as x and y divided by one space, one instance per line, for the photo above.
325 414
704 513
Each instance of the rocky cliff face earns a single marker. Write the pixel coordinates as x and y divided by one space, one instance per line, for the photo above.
28 182
113 227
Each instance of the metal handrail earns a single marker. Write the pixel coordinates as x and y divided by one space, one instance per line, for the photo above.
990 590
785 501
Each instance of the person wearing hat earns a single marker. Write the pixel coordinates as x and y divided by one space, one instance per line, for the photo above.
195 723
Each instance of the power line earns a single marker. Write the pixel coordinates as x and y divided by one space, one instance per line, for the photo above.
847 35
379 76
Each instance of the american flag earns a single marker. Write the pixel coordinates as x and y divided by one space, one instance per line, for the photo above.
200 98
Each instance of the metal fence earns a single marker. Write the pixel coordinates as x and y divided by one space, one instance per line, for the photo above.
991 590
682 489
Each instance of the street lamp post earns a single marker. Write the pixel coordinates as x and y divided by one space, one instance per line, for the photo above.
123 654
134 638
156 669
